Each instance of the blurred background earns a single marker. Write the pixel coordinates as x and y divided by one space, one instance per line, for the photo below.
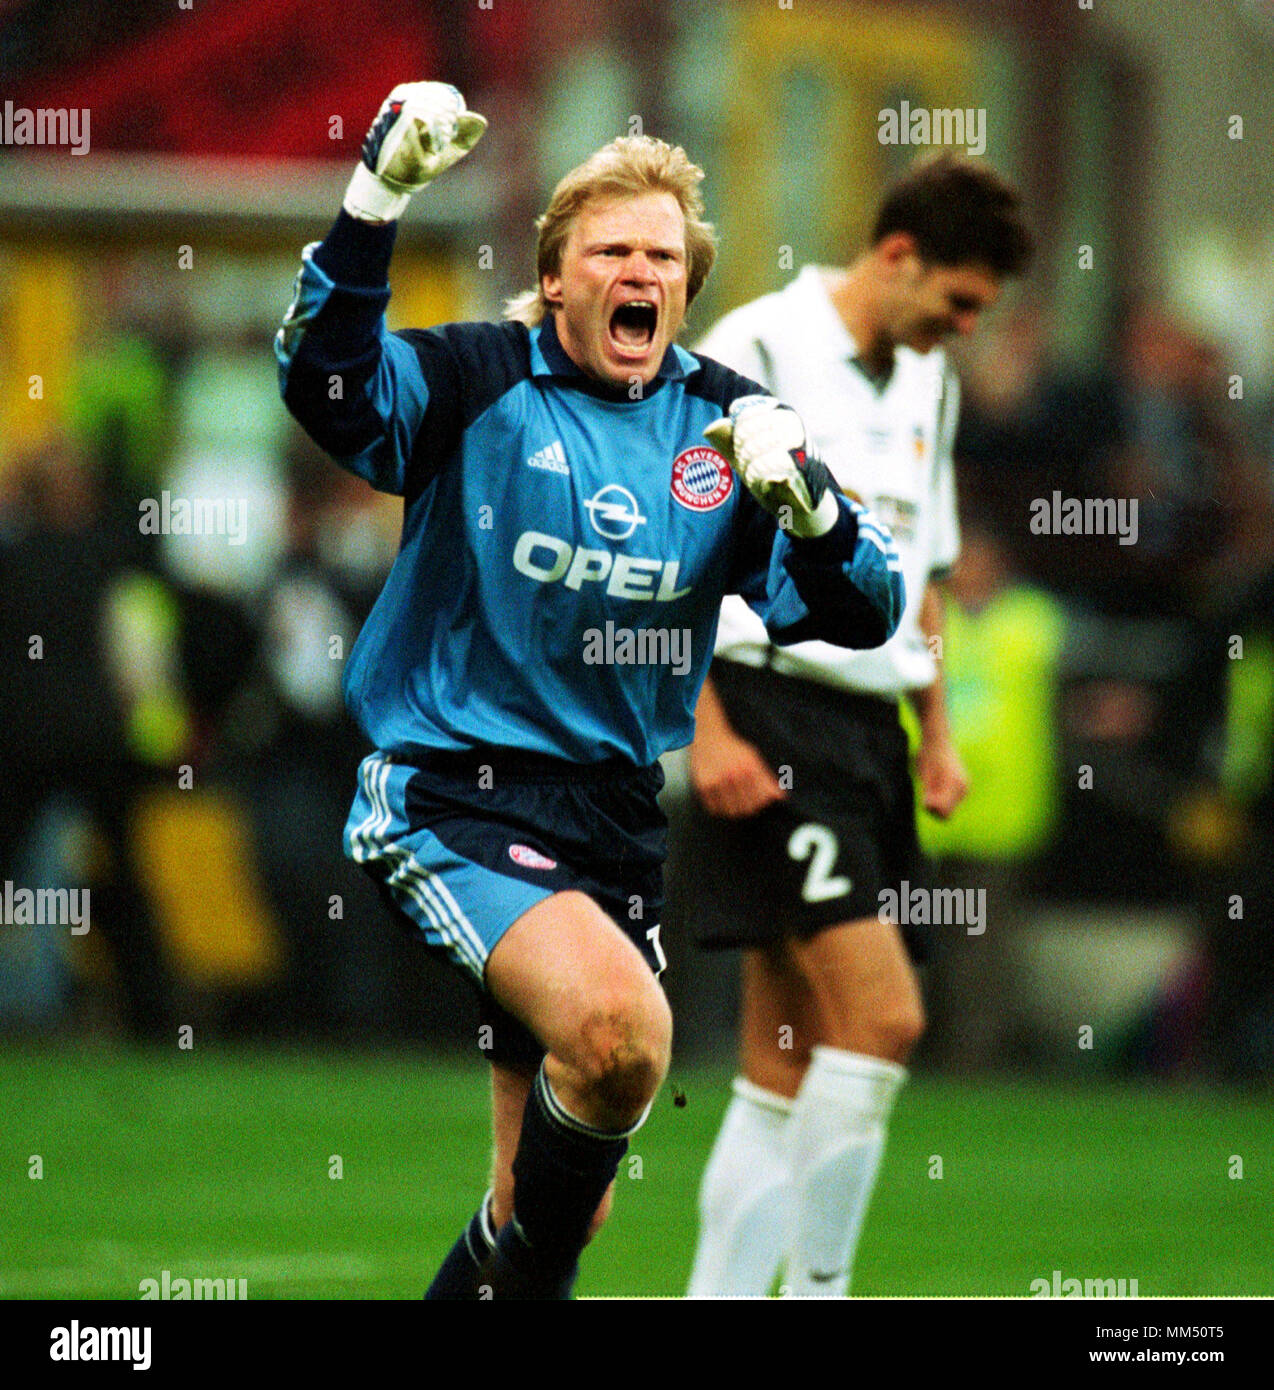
175 740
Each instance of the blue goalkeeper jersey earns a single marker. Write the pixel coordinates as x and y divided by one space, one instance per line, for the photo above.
565 548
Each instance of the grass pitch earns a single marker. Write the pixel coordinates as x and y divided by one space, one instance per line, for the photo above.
224 1164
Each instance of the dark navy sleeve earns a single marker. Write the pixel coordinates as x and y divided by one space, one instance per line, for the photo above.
844 587
391 407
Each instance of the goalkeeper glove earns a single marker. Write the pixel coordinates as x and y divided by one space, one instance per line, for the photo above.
764 441
421 129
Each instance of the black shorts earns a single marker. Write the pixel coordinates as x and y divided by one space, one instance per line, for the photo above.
844 834
461 845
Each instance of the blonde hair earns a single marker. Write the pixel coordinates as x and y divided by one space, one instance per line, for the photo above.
627 167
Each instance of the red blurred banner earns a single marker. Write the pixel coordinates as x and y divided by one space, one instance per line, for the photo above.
246 79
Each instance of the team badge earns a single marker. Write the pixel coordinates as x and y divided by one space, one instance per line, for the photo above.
530 858
701 478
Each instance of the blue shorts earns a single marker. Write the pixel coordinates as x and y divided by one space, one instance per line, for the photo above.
462 844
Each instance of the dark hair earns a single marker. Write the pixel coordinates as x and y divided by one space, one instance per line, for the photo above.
960 211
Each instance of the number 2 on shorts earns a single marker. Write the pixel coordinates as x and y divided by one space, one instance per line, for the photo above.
817 844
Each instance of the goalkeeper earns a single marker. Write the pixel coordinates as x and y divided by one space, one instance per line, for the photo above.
556 478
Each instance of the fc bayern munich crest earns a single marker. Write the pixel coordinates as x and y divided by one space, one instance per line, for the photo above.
701 478
530 858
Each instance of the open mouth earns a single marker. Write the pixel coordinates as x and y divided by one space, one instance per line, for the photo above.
632 325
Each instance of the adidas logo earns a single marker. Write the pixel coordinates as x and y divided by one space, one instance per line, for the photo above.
552 458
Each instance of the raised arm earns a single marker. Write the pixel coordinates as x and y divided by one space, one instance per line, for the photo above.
360 391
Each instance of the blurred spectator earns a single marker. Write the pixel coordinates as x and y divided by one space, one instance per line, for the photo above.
122 392
1238 904
1144 668
1143 705
1000 656
1154 425
70 735
344 959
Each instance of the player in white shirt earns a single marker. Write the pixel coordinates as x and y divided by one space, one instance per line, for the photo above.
799 765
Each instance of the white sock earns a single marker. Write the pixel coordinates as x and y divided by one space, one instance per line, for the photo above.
836 1139
744 1197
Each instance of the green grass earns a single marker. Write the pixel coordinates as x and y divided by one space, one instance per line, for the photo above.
212 1163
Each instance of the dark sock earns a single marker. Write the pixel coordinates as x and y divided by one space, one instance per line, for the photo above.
458 1277
560 1175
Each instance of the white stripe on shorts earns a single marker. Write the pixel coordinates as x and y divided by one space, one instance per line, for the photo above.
422 885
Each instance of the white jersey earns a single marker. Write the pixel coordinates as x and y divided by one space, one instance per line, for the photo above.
889 441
